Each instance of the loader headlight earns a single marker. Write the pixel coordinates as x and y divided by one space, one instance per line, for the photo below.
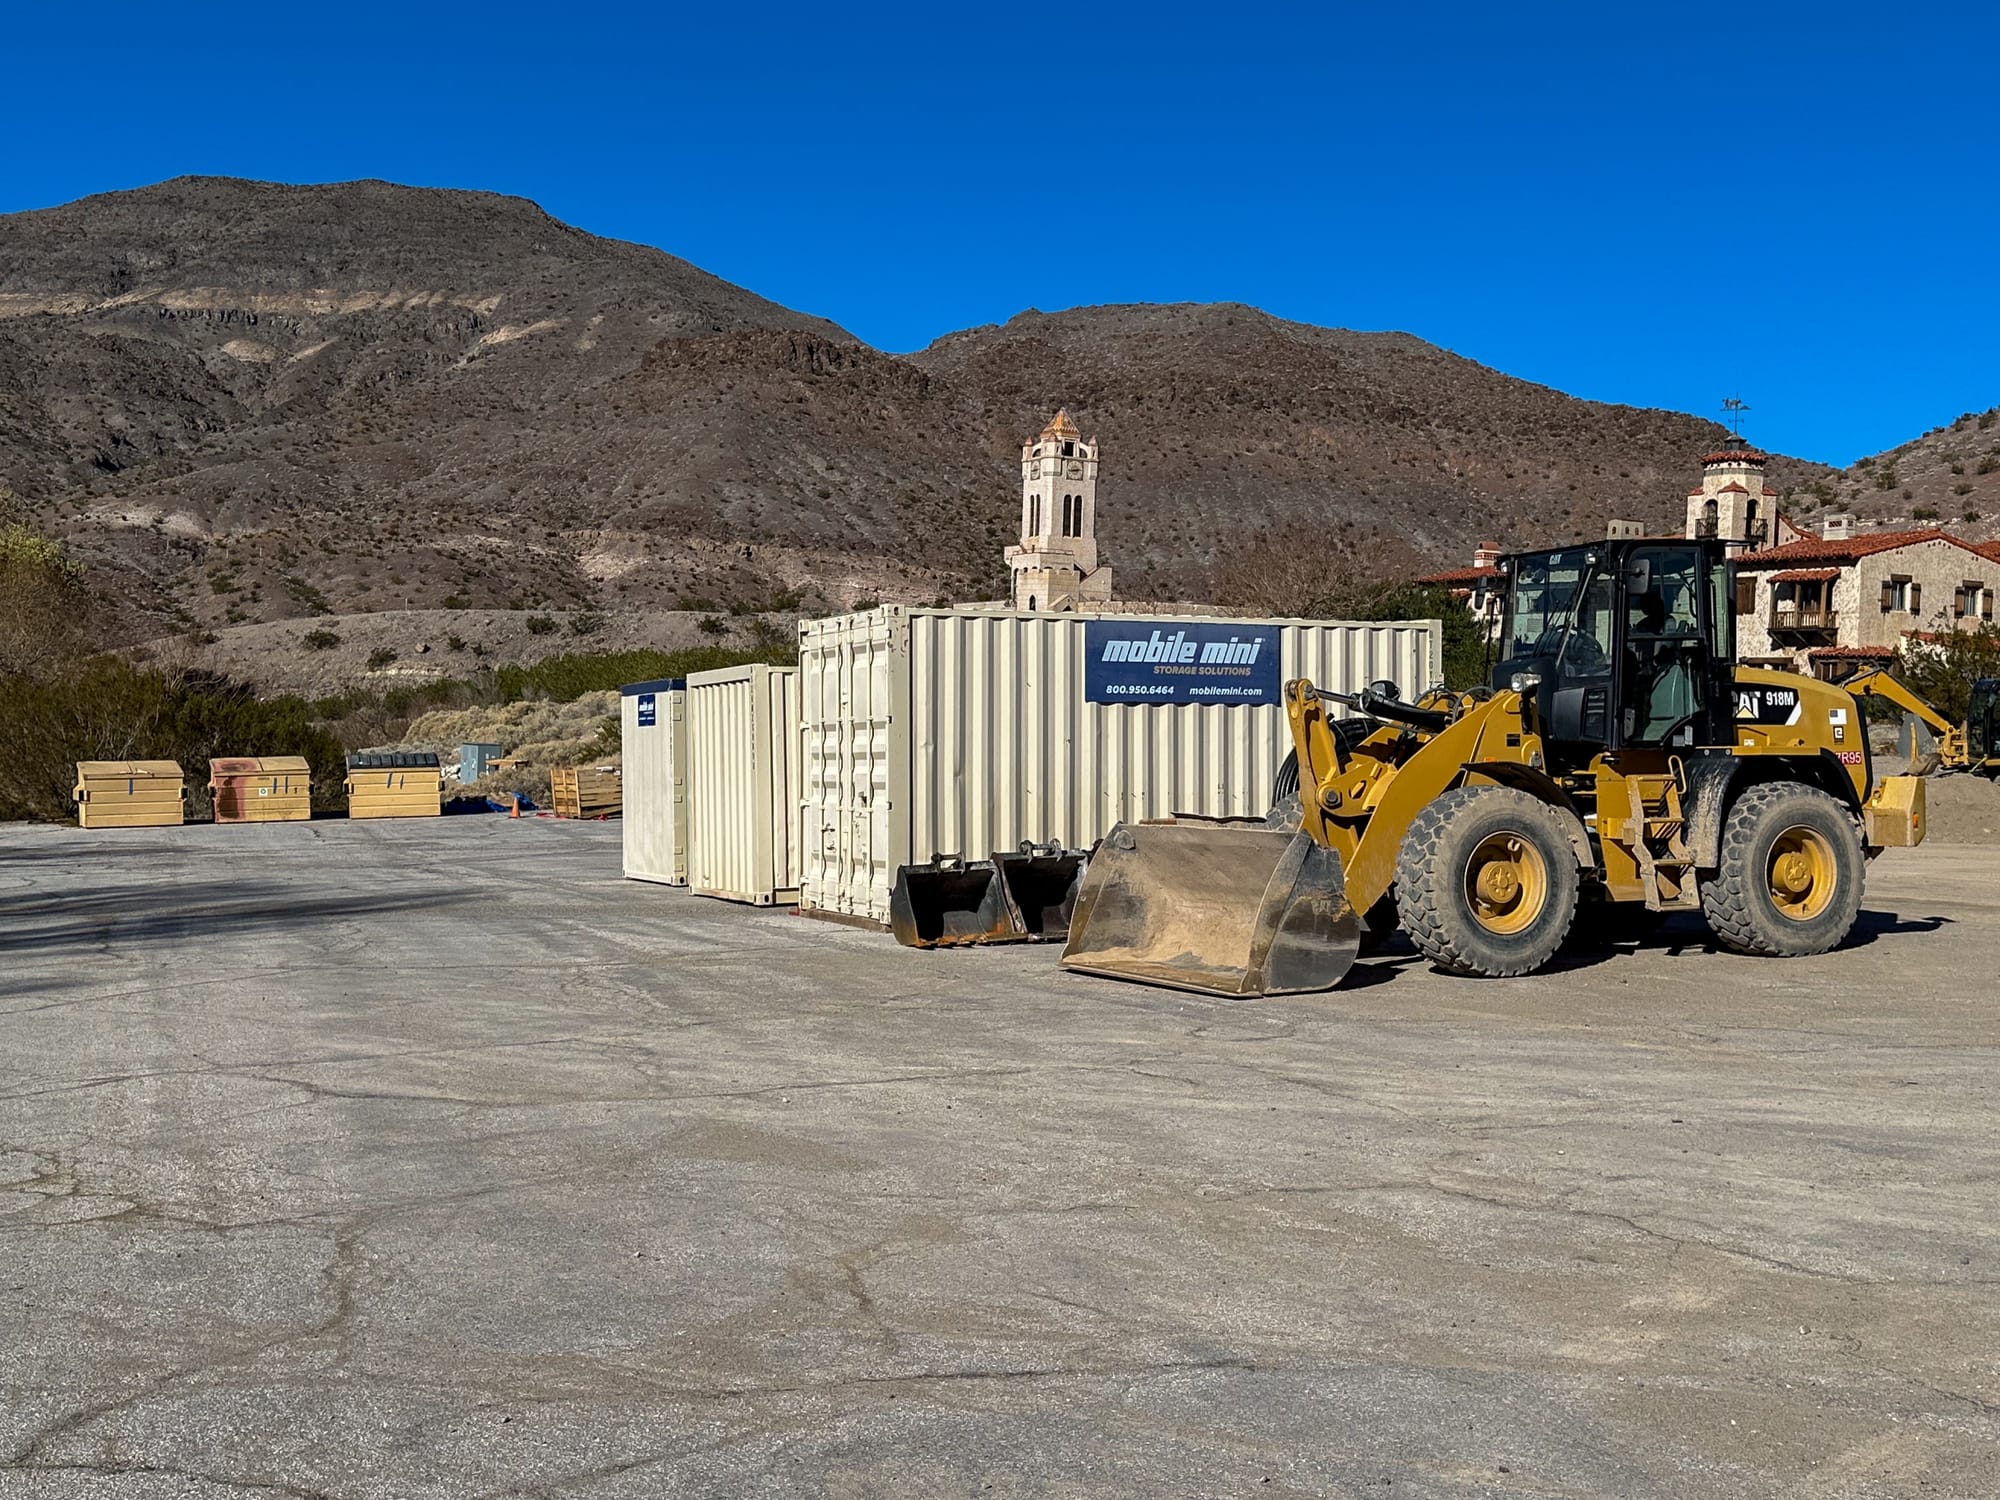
1525 682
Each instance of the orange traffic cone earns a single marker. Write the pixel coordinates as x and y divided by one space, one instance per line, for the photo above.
514 806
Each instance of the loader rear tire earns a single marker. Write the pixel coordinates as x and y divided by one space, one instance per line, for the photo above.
1486 882
1789 883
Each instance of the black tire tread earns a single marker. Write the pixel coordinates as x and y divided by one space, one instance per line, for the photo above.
1420 895
1726 898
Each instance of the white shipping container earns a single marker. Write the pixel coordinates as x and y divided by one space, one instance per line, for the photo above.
743 784
951 732
653 741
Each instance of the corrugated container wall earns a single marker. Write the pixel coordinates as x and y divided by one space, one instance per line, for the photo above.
743 784
942 732
653 741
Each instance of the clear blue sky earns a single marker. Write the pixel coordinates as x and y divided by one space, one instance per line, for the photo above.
1653 204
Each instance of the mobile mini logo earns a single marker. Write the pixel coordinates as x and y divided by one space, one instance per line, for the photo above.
1176 647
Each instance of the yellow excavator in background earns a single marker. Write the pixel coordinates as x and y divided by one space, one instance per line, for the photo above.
1931 742
1620 759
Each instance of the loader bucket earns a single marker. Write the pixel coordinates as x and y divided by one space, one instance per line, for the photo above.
1918 746
1228 910
950 902
1041 886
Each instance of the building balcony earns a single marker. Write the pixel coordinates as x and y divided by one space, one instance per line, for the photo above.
1804 619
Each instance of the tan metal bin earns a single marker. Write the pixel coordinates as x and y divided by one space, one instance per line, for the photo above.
261 789
394 784
129 793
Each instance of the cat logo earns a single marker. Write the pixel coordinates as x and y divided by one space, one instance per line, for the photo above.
1768 705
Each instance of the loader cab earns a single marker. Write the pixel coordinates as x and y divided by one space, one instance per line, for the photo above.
1632 641
1982 721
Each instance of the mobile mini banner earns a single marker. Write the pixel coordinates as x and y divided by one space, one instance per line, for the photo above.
1149 661
648 711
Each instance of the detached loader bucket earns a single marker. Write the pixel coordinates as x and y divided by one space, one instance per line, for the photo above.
950 902
1226 910
1041 888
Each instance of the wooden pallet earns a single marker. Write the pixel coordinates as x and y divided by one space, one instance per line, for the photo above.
586 791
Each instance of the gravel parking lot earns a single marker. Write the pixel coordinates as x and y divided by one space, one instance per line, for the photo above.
433 1159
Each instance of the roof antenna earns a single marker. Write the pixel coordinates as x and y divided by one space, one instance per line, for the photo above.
1733 408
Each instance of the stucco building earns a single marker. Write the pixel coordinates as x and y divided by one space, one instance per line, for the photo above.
1055 563
1828 604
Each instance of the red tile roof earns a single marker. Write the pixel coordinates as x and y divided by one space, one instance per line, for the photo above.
1461 576
1736 456
1849 549
1805 575
1852 653
1732 488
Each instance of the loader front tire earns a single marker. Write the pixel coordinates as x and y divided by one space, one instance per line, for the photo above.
1789 883
1486 882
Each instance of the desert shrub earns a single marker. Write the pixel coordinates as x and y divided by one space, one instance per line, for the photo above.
1924 513
454 642
540 625
711 625
565 678
457 601
586 623
308 598
105 708
1987 465
44 604
319 640
1942 668
380 657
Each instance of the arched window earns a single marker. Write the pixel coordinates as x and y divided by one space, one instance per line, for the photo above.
1069 504
1031 601
1035 515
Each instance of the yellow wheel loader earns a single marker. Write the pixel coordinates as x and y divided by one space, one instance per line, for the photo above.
1620 762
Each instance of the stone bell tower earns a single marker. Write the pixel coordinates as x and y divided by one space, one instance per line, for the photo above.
1055 564
1733 501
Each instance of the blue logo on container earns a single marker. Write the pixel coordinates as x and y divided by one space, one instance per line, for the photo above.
649 714
1146 661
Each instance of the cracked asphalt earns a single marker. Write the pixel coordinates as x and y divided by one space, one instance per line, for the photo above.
433 1159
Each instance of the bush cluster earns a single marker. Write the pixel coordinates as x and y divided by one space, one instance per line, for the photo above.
104 708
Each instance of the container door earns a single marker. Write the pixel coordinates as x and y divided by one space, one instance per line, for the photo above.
847 673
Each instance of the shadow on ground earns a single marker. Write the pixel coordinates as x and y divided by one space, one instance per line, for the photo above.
185 913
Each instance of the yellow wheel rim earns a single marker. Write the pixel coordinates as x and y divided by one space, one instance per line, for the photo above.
1506 884
1802 873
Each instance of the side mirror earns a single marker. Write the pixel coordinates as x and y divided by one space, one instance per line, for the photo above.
1639 576
1385 689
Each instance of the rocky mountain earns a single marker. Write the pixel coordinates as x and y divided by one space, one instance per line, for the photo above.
1949 477
246 403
